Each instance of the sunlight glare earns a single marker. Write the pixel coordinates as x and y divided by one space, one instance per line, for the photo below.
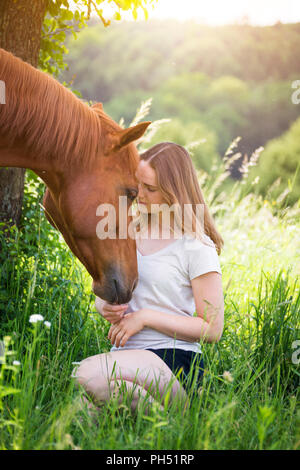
218 12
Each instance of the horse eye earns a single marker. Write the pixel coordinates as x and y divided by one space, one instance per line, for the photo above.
131 194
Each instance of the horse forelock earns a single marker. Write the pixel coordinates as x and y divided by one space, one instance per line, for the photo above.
134 158
130 150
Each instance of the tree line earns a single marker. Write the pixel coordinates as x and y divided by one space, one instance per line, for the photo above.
213 83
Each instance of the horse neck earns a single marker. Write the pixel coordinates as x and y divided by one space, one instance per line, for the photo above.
15 155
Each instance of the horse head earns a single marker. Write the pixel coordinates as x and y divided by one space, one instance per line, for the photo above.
85 196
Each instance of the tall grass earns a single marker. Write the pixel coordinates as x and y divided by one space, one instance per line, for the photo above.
250 390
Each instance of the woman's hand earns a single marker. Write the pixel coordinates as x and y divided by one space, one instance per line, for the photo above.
111 313
128 326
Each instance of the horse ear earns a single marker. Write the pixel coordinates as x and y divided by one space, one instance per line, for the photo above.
120 139
98 105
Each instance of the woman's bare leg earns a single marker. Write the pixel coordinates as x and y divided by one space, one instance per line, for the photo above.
136 392
141 372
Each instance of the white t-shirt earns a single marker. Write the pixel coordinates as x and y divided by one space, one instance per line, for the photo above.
165 285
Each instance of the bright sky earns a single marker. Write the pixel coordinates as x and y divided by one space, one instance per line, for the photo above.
216 12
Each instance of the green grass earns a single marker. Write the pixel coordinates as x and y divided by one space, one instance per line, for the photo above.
254 405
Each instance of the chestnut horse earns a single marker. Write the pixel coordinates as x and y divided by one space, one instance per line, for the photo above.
85 159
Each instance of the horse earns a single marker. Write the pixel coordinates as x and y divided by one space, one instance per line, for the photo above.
85 159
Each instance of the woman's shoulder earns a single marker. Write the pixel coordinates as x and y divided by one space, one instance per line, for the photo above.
191 243
201 256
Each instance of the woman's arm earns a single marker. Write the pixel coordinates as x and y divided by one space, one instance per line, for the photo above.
208 325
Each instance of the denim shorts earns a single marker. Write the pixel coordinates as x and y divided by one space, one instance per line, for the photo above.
188 366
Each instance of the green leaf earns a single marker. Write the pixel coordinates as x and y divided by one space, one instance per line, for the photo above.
8 391
117 16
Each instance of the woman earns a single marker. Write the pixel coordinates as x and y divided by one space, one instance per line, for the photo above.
178 300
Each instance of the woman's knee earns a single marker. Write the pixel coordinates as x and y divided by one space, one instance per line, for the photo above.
89 375
99 379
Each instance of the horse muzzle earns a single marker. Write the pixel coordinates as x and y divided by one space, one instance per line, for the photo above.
114 290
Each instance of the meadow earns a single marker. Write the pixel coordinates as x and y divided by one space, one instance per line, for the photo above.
249 396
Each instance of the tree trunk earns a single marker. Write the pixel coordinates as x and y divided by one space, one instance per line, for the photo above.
20 33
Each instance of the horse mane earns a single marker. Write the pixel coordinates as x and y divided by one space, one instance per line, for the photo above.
48 117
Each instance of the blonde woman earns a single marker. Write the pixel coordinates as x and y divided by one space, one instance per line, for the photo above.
178 300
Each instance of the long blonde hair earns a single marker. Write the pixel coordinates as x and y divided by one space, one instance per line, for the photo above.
177 180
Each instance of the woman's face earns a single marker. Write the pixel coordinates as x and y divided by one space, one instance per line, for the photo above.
148 190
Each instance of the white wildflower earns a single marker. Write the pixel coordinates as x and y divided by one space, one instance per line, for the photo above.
16 363
227 376
35 318
47 324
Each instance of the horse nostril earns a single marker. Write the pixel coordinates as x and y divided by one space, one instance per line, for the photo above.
121 293
116 289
